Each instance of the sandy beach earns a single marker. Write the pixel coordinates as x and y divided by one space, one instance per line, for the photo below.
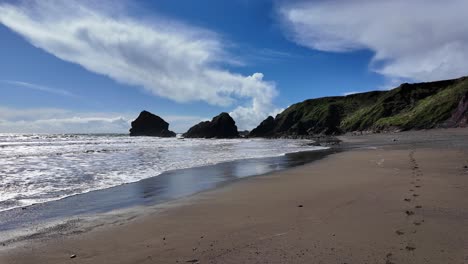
399 198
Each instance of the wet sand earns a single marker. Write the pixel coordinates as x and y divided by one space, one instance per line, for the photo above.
395 198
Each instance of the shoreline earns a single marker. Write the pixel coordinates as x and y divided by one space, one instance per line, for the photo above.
169 169
339 214
115 204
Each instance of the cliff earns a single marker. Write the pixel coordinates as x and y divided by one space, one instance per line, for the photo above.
409 106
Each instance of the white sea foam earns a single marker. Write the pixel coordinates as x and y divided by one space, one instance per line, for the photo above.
41 168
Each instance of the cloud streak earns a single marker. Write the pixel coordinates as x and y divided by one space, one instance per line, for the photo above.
165 57
39 88
421 40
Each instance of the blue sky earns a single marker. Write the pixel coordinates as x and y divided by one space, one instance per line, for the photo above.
74 66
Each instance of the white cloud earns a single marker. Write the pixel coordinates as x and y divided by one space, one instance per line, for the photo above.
167 58
56 120
39 88
421 40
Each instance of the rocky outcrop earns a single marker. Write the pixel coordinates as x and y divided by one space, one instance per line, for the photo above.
265 129
221 126
407 107
148 124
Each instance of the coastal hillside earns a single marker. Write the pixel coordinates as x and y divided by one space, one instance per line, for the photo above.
407 107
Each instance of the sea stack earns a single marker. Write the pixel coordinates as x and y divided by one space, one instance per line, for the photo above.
148 124
221 126
265 129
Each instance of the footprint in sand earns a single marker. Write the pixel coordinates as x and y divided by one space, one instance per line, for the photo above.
408 212
415 195
410 248
388 259
407 200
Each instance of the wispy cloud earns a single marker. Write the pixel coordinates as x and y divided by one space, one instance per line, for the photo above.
39 88
421 40
165 57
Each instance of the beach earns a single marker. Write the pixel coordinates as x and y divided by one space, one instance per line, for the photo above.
389 198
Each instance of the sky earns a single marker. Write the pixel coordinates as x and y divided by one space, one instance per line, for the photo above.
69 66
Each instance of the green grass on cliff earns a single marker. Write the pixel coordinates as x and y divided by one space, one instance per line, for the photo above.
410 106
429 112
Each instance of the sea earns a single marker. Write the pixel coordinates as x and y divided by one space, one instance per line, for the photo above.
40 168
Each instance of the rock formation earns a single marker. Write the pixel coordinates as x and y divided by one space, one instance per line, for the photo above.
265 128
221 126
148 124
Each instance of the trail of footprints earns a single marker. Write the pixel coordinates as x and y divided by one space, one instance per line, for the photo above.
414 220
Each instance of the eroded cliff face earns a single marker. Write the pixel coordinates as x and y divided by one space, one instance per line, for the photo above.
148 124
459 116
221 126
409 106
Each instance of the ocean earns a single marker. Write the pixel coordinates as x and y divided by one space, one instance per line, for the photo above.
39 168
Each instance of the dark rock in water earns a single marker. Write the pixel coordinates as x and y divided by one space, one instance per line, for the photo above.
221 126
244 133
148 124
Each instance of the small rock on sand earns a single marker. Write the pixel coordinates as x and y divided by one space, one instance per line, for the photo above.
73 256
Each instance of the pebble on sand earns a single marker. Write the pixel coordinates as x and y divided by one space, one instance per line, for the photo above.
73 256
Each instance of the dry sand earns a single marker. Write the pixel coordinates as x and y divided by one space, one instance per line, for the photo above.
392 204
